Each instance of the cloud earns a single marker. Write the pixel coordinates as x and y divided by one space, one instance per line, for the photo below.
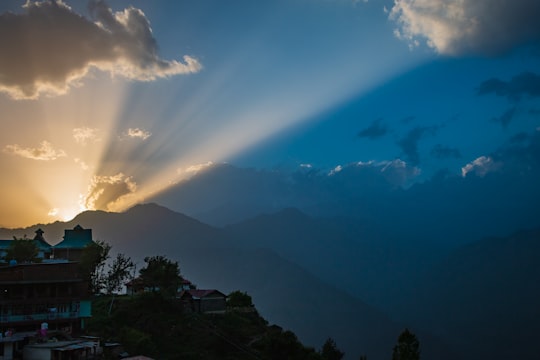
84 166
505 118
394 172
85 134
458 27
409 144
49 48
408 119
374 131
480 166
194 169
443 152
138 133
45 152
105 191
335 170
526 83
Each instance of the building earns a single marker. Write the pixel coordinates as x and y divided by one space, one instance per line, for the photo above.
50 295
73 243
204 301
69 248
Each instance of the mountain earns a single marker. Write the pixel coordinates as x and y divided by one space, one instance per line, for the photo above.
306 274
283 292
366 260
497 195
484 297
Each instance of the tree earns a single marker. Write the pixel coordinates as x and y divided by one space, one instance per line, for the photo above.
120 270
407 348
92 264
239 299
22 250
330 351
161 274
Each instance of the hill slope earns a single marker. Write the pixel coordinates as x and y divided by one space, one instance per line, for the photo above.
284 293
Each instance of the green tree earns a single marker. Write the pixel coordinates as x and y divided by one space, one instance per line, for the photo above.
407 348
22 250
92 264
330 350
161 275
120 271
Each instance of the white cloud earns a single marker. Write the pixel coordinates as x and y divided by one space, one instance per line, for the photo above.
456 27
194 169
84 166
138 133
45 152
49 48
480 166
335 170
85 134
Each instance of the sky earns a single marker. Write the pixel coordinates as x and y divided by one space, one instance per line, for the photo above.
106 103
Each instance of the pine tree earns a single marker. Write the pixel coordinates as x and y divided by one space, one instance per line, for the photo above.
407 348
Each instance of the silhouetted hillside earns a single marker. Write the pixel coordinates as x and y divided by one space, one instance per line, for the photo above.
484 298
364 259
284 293
481 300
164 330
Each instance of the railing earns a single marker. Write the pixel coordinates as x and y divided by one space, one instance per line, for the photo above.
39 317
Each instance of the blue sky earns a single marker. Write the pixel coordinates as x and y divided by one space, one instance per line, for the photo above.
113 101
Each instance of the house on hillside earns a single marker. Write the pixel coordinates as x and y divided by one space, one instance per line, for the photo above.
193 299
204 301
137 286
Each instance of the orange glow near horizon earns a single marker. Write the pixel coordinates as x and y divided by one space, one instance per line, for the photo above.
108 147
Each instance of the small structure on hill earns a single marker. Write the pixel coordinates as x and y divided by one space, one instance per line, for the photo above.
204 301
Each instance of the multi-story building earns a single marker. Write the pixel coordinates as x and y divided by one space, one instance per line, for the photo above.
43 296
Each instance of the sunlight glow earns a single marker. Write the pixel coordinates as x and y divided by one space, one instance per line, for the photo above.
109 144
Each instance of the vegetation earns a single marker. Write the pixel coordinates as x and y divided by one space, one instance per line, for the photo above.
23 250
120 271
239 299
99 277
407 348
330 350
161 275
92 264
164 331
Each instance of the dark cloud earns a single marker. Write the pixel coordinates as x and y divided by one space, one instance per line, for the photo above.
458 27
443 152
526 83
520 138
409 144
505 118
374 131
49 48
408 119
105 191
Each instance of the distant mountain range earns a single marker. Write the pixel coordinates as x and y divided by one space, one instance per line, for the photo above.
359 252
341 278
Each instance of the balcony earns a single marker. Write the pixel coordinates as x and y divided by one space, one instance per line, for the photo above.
4 319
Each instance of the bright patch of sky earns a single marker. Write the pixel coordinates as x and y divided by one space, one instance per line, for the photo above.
113 98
